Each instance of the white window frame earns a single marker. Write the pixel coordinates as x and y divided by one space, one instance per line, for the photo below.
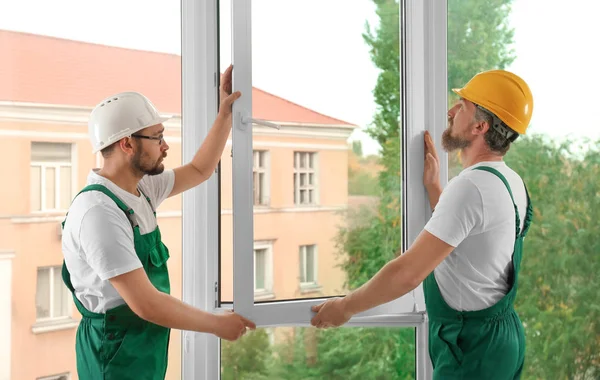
424 82
267 292
264 191
53 318
298 171
57 199
43 165
304 267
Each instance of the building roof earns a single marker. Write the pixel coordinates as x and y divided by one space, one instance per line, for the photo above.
49 70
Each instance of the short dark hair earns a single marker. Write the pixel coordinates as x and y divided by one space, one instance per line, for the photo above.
495 141
106 152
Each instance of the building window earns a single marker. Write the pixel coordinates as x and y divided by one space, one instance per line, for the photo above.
305 178
263 270
308 265
52 296
260 175
63 376
51 176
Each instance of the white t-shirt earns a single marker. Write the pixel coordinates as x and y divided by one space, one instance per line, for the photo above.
476 216
97 239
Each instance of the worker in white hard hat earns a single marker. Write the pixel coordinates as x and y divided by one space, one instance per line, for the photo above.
115 263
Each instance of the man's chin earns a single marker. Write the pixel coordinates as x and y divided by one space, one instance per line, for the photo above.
159 169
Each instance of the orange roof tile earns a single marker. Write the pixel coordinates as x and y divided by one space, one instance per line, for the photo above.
49 70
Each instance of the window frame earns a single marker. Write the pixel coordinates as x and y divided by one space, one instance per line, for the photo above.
298 171
52 290
424 78
57 185
304 267
43 165
264 196
267 292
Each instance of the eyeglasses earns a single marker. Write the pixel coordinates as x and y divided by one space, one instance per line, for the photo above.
160 138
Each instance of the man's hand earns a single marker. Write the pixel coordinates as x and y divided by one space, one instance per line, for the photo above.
231 326
225 95
331 313
431 169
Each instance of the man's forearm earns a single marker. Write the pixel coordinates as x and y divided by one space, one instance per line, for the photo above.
209 154
387 285
434 192
168 311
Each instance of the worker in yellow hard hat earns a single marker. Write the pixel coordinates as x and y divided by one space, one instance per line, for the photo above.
469 254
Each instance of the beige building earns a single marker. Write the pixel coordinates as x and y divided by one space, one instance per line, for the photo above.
48 87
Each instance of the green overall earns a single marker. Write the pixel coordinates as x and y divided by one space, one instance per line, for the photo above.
119 344
483 344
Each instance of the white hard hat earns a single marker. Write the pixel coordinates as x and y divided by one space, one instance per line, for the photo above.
120 116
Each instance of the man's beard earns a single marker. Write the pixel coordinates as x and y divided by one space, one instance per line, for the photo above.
142 167
451 143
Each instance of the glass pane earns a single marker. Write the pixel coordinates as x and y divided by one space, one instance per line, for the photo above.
310 264
42 293
302 264
559 160
308 353
324 132
256 187
36 188
65 187
53 70
262 189
50 185
61 295
260 262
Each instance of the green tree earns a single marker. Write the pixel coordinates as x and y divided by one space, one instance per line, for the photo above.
357 148
558 298
247 358
479 39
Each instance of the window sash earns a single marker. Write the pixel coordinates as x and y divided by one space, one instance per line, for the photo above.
243 297
260 179
307 251
59 194
53 313
305 170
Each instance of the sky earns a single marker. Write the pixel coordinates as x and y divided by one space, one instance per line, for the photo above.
307 52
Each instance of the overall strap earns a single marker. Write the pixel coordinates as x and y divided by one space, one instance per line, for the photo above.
149 201
528 214
103 189
503 179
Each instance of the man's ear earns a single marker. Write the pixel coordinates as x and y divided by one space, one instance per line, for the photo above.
480 127
127 146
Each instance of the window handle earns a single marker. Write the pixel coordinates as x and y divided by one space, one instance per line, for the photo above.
248 120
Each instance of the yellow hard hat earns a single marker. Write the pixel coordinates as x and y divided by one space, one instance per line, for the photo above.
504 94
